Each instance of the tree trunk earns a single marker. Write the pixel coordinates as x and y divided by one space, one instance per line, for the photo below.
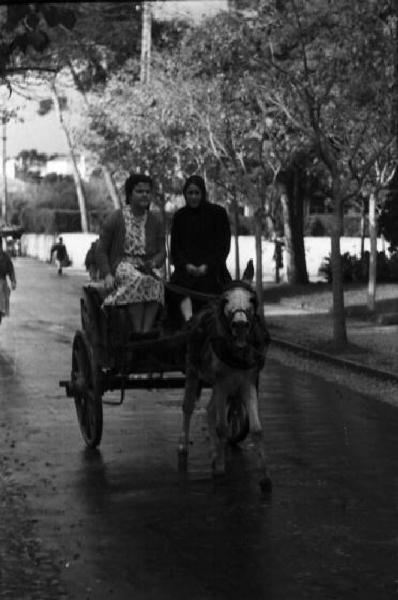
339 323
288 236
162 203
111 187
4 168
292 211
235 210
146 42
394 91
373 253
259 256
362 229
105 169
76 175
297 226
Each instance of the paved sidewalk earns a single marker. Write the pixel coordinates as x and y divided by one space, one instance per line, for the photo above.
370 344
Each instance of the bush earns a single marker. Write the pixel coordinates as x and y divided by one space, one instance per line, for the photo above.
356 269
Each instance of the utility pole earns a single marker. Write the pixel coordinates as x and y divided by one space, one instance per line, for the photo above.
146 40
4 163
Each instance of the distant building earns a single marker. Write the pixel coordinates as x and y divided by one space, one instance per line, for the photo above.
60 164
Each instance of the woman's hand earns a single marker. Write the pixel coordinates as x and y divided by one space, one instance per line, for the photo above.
109 282
13 285
202 270
191 269
196 271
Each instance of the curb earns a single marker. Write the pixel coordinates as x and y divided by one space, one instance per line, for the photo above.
341 362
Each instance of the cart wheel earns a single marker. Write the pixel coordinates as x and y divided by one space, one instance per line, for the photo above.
88 395
237 423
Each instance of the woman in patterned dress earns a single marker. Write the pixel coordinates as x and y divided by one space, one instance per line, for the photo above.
130 252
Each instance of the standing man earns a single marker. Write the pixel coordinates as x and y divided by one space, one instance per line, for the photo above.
90 262
278 258
6 270
61 255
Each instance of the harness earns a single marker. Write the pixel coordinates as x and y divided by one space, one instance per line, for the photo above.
206 333
237 358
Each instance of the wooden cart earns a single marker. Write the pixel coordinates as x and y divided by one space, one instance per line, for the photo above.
107 356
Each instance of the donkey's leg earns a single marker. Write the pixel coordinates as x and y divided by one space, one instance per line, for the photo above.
191 394
217 429
256 436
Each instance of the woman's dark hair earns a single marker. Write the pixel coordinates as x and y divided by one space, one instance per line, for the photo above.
199 182
133 180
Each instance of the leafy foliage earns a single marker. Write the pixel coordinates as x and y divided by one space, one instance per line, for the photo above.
356 269
27 28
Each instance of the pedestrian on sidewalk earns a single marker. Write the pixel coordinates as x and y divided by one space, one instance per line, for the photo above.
61 255
90 262
6 271
278 258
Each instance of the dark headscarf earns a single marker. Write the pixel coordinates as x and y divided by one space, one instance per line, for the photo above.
199 182
133 180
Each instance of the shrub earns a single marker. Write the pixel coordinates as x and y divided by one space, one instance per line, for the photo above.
356 269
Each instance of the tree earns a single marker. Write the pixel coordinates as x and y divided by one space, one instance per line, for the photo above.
224 59
329 81
320 76
26 33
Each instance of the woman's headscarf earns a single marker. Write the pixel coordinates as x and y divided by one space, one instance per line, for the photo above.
199 182
133 180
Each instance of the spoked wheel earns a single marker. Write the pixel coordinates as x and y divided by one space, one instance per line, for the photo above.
237 422
88 394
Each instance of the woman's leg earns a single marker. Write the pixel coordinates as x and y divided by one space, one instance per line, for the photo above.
150 312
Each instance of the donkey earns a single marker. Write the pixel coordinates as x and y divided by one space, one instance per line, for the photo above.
226 349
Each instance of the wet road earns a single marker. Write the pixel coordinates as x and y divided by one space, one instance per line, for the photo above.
122 522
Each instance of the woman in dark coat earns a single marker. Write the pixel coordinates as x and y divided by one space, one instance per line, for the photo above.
199 246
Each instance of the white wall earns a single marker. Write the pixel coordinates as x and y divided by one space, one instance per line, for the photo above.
316 249
77 244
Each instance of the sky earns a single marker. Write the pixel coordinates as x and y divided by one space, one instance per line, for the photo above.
44 133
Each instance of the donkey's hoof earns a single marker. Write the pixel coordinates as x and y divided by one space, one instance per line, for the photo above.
266 485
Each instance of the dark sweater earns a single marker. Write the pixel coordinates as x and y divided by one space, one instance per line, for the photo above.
110 247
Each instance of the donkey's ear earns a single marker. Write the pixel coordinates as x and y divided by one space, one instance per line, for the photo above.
248 273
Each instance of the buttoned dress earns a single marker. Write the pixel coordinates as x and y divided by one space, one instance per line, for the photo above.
132 285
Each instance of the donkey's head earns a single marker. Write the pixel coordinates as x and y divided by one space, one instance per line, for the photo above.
238 306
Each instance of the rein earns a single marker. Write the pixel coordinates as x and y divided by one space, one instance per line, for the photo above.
178 289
